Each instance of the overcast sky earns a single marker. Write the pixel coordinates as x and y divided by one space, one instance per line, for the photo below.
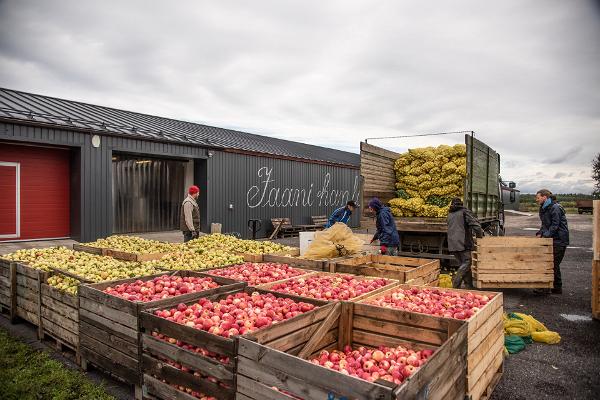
524 75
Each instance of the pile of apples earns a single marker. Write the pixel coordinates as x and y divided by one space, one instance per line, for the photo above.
434 301
393 364
134 244
329 287
31 256
258 273
195 260
161 287
218 241
237 314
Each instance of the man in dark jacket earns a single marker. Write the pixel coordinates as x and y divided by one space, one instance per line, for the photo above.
461 226
386 228
555 226
342 214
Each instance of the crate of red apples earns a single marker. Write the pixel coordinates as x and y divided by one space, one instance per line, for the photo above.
109 313
258 273
357 351
198 338
331 287
482 312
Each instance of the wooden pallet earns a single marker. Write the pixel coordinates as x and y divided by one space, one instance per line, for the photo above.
264 363
485 341
118 254
155 351
391 284
414 271
513 262
109 326
60 318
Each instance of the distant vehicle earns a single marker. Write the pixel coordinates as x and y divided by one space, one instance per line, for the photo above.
511 197
584 206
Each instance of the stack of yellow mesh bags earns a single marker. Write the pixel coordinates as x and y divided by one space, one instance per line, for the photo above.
427 179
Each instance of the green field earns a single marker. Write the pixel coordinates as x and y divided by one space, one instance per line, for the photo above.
26 373
566 200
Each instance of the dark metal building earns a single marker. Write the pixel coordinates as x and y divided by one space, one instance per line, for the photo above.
128 171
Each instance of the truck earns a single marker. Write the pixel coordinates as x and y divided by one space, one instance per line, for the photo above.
584 206
427 237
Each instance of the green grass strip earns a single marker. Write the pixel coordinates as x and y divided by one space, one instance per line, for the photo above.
26 373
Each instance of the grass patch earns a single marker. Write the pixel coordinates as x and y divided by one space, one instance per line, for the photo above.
26 373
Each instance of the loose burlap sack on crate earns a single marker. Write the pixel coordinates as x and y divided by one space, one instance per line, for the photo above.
334 242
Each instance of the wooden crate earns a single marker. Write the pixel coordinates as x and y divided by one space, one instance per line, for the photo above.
118 254
392 283
8 286
28 288
155 370
513 262
485 342
414 271
109 327
315 265
300 267
258 258
264 363
596 261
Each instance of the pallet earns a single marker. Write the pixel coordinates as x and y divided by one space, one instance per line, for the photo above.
118 254
513 262
60 318
258 258
485 340
414 271
264 363
8 287
155 351
392 283
109 326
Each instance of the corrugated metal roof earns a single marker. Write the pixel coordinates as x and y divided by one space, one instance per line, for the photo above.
39 109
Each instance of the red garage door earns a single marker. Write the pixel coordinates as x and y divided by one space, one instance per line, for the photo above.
34 192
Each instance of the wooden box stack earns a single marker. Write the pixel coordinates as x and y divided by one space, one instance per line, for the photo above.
109 326
264 363
485 342
513 262
414 271
391 283
158 353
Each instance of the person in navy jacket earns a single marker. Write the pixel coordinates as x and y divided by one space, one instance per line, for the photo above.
342 214
386 228
555 226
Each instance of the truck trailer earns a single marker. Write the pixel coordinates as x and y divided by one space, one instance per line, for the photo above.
427 237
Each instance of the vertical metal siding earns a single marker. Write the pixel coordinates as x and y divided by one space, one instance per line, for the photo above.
231 175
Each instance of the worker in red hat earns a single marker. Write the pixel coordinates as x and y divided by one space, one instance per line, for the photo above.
189 220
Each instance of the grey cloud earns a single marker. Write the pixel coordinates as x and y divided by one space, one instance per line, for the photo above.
564 157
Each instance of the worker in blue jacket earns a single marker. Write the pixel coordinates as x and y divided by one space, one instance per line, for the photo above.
555 226
386 228
342 214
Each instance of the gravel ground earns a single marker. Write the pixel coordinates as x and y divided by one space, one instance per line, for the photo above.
570 369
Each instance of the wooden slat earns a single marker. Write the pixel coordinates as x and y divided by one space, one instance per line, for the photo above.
514 285
100 321
127 347
123 318
512 250
403 317
65 298
127 374
404 332
516 278
330 321
254 390
59 319
514 241
116 357
58 331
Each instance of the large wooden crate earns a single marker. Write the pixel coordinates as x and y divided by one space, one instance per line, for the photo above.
305 271
155 351
28 288
118 254
391 284
8 286
414 271
257 258
109 326
264 363
485 342
513 262
315 265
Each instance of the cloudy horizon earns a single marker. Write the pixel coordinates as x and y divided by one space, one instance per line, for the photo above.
524 75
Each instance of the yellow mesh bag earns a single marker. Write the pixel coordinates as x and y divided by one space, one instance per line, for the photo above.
334 242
